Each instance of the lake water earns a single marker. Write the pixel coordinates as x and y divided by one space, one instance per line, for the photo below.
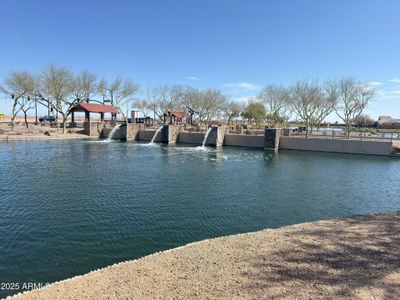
68 207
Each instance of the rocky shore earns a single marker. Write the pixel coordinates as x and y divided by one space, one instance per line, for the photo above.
347 258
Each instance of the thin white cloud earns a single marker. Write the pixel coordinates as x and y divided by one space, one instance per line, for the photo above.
246 99
395 80
374 83
388 94
194 78
369 86
246 85
242 85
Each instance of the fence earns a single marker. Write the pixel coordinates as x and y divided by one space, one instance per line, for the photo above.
345 135
241 130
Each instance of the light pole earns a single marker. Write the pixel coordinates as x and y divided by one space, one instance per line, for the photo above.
113 116
111 100
154 114
36 114
36 119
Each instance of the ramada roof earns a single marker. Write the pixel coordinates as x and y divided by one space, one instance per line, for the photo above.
179 114
391 121
96 108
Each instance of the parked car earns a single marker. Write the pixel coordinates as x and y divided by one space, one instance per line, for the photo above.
47 119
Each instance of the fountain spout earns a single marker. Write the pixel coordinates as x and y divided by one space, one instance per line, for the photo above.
155 135
112 132
205 137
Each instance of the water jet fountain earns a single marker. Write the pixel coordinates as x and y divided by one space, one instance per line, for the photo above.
155 135
113 131
203 145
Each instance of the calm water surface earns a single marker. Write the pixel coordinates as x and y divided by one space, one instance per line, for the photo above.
68 207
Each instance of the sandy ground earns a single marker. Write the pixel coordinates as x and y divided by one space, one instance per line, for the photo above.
37 132
350 258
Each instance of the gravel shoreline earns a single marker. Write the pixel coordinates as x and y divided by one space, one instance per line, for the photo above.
38 132
68 136
347 258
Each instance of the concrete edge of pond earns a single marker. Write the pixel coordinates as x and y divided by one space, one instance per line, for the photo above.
349 256
396 155
368 146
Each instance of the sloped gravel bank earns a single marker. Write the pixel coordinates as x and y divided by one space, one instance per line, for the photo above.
347 258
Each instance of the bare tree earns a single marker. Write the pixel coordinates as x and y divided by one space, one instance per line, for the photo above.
206 105
26 104
57 87
231 110
214 102
85 86
354 97
17 86
121 93
142 105
203 105
326 104
304 99
276 99
164 98
193 101
364 120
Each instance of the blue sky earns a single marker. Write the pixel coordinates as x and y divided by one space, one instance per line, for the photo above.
234 45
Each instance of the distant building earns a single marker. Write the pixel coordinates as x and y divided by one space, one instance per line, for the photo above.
387 122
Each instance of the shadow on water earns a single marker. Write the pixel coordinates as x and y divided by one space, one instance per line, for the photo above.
341 258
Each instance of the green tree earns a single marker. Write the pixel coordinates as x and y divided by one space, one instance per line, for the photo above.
254 112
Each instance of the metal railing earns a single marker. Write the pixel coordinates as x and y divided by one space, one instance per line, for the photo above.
346 135
246 131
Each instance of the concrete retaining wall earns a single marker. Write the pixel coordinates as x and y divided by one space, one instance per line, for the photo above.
93 128
221 131
130 131
147 135
191 137
124 132
118 135
105 133
272 138
216 136
336 146
239 140
169 133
